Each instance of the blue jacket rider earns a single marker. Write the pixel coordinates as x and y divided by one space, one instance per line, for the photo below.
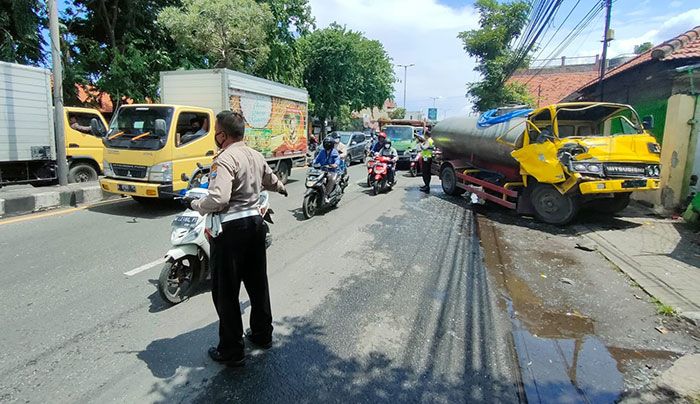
329 156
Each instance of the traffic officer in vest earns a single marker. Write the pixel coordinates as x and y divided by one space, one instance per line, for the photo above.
237 176
426 150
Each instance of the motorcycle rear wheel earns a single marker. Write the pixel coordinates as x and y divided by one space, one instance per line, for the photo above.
310 205
178 279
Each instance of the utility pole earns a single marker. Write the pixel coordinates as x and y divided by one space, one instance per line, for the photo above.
606 38
405 69
61 160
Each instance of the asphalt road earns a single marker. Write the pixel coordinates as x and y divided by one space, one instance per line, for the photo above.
383 299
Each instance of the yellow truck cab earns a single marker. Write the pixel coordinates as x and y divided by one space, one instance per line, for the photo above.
150 146
84 147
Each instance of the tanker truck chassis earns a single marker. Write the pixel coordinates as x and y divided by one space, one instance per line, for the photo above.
550 162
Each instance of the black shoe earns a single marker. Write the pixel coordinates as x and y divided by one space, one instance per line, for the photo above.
425 189
226 360
260 343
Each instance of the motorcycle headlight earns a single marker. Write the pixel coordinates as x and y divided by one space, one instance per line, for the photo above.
162 172
107 169
191 236
407 153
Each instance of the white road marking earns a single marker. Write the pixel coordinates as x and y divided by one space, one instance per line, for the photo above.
145 267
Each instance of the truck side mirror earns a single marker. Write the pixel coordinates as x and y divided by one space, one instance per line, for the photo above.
648 122
159 128
95 128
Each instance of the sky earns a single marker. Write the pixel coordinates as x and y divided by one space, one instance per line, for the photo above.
424 32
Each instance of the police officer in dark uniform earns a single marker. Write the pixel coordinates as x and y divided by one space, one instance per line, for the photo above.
238 174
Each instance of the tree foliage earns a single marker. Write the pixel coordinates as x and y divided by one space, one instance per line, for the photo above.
499 23
231 33
398 113
20 38
343 68
642 47
292 19
115 46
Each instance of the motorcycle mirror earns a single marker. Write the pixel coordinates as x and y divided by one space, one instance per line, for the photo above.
184 177
199 165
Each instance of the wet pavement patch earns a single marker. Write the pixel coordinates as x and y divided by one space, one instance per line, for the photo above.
560 358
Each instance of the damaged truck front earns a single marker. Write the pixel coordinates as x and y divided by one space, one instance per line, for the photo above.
552 161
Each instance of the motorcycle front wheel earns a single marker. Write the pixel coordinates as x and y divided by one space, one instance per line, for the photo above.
375 187
310 205
178 279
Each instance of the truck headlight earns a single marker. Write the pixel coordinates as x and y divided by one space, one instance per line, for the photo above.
162 172
107 169
653 171
588 168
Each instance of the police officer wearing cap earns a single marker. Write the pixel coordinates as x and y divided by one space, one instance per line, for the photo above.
238 174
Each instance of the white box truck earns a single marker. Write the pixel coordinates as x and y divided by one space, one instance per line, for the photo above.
276 114
27 142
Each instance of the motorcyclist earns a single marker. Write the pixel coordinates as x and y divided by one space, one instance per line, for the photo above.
343 154
381 139
329 159
388 151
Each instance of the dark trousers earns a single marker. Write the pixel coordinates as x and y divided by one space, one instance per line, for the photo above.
425 170
238 254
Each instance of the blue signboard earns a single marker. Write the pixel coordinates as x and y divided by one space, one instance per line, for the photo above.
432 114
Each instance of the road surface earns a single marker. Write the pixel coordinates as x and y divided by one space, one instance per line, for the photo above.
382 299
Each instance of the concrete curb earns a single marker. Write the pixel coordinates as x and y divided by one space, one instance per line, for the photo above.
37 199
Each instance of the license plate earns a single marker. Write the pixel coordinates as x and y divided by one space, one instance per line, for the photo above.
185 221
126 188
634 184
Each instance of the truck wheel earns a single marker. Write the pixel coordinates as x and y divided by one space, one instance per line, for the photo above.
610 206
449 182
283 171
551 206
82 172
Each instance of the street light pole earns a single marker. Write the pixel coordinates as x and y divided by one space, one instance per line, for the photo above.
405 69
61 160
434 100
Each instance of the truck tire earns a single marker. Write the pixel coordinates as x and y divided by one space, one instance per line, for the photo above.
449 181
283 171
82 172
551 206
610 206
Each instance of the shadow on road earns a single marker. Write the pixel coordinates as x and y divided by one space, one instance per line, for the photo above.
134 210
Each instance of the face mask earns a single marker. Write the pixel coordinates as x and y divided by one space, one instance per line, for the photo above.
386 146
216 141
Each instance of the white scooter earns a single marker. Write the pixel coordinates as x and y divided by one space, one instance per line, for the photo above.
187 262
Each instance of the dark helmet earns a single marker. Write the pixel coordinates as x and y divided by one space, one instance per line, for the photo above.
387 143
328 142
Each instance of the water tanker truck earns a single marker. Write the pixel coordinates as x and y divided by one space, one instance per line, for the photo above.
549 162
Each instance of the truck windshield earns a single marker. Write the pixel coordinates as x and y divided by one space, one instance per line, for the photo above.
598 120
135 128
399 132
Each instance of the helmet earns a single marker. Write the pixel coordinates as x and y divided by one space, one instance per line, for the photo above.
328 142
382 135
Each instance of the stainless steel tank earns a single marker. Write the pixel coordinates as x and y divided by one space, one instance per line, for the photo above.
460 138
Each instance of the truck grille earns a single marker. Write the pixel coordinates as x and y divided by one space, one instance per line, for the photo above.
129 171
626 170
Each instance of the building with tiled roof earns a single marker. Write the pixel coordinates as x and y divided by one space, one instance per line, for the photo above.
549 85
649 79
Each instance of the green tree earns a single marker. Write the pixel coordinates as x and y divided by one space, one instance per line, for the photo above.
642 47
231 33
114 46
292 19
20 25
490 45
398 113
344 69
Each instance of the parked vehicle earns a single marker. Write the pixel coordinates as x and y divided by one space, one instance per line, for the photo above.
355 143
552 161
378 175
314 198
276 114
28 154
187 262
